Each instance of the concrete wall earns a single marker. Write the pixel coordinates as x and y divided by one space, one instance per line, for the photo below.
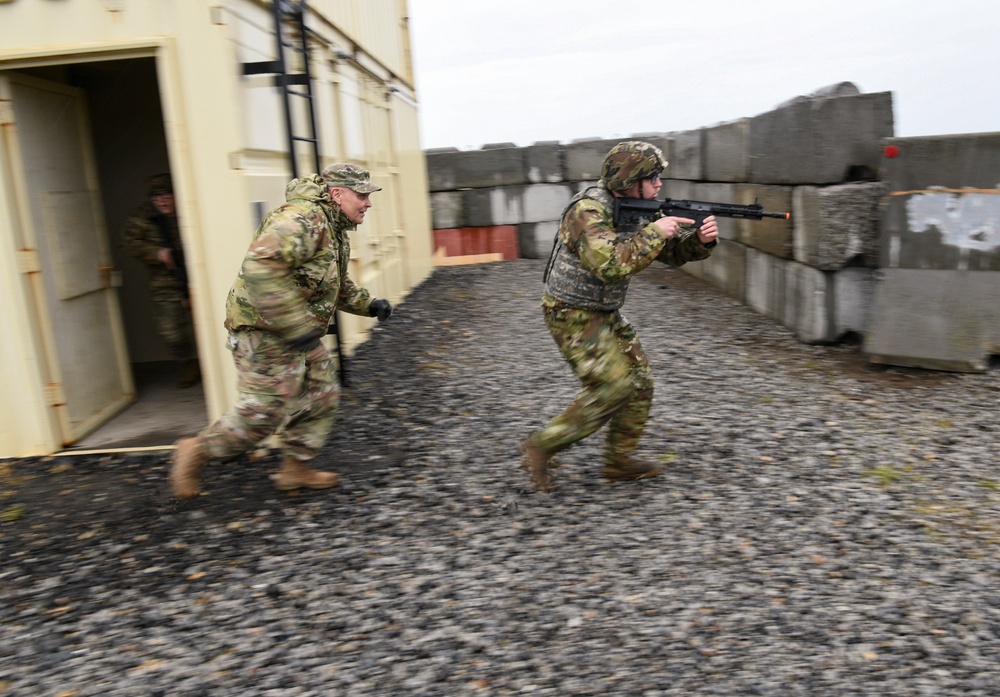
937 300
868 232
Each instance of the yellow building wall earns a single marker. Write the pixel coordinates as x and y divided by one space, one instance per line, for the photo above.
227 150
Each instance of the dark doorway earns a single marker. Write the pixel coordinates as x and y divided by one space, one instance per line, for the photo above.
130 144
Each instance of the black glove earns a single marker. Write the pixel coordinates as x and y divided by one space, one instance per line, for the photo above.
381 309
307 342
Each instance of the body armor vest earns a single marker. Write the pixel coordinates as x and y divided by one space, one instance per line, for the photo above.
568 281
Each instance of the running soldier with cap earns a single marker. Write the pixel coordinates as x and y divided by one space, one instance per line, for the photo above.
292 281
586 281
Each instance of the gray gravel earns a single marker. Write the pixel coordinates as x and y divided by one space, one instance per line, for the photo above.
824 527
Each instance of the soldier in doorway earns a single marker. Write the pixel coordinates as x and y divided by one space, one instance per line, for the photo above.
292 281
152 236
586 280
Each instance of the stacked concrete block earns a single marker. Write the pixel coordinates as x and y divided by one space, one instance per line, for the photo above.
584 158
796 295
821 140
543 163
447 209
685 154
837 226
450 169
536 239
726 269
726 152
818 140
493 206
512 205
937 300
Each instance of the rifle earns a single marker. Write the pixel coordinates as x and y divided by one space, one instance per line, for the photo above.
633 209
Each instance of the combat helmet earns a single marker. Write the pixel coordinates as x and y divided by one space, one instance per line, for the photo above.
629 162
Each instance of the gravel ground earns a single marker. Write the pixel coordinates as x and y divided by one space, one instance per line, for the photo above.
824 527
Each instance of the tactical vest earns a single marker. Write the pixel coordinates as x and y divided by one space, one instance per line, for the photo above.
569 281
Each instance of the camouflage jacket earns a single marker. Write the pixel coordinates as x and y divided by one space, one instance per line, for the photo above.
588 242
146 232
294 275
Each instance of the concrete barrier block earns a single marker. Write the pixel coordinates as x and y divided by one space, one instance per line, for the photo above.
935 319
808 303
545 202
765 284
947 162
536 239
725 269
685 155
584 158
796 295
853 290
941 229
771 235
726 151
447 210
837 226
502 205
820 140
543 162
449 169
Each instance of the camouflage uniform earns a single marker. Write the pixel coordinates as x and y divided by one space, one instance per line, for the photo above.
586 283
146 232
292 281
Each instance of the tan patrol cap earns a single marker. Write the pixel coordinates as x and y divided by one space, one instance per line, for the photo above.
350 176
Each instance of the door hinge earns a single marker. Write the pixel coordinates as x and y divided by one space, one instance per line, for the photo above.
55 394
6 112
28 261
110 276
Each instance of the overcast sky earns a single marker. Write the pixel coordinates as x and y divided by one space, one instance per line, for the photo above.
524 71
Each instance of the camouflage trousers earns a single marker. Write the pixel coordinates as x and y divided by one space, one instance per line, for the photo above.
282 391
174 322
605 354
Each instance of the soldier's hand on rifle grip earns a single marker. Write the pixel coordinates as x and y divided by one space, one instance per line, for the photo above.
166 257
709 230
670 225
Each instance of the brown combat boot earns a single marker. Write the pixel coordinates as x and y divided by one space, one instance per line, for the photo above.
189 456
630 468
190 374
295 475
536 462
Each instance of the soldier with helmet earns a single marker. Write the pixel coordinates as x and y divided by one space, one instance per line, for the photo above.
586 281
292 281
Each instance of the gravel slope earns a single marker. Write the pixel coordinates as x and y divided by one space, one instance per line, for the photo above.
824 527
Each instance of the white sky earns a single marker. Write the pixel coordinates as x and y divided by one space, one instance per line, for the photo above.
524 71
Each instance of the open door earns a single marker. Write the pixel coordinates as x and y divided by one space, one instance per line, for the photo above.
63 245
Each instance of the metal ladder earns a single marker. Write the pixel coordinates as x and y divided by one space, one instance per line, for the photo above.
292 38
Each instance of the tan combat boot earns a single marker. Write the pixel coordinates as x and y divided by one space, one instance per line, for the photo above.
190 374
629 468
536 462
295 475
189 456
